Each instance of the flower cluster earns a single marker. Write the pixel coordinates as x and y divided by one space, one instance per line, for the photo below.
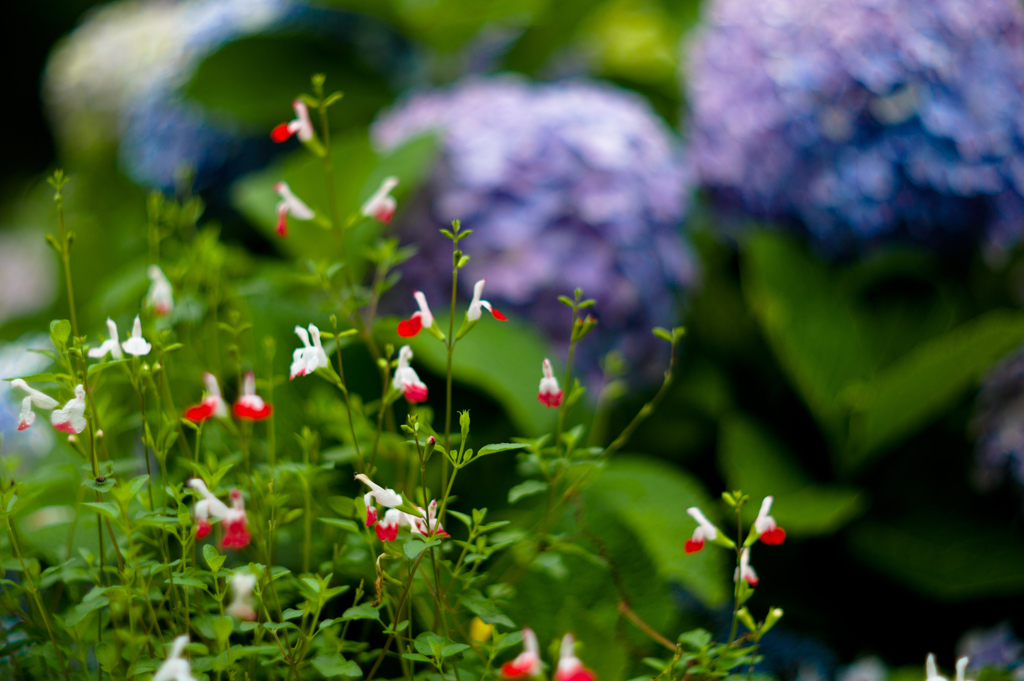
863 119
528 665
764 529
566 184
233 518
426 524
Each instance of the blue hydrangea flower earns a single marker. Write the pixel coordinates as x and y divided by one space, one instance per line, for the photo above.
569 184
863 120
1000 425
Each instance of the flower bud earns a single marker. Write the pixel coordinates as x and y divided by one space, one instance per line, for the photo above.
773 617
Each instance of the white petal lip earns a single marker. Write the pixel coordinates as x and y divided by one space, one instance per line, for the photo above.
710 531
136 345
426 318
385 497
292 204
380 199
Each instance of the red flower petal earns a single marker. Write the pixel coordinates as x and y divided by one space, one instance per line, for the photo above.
550 399
407 328
237 536
415 393
244 411
387 532
692 546
203 528
280 133
774 537
201 412
497 315
65 427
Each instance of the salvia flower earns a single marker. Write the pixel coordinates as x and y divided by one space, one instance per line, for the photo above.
71 417
160 297
241 606
213 404
431 525
570 668
136 345
383 495
207 507
423 319
387 528
249 405
473 312
406 380
301 125
527 664
549 394
236 524
766 527
308 358
175 667
705 531
35 398
111 345
745 571
863 120
290 205
564 184
381 205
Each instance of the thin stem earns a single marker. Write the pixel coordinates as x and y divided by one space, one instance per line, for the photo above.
448 370
647 409
401 603
348 404
566 385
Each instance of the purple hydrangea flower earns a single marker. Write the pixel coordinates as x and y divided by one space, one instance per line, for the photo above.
569 184
864 119
996 647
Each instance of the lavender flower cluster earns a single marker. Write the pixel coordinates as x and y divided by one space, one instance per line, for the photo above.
863 120
564 184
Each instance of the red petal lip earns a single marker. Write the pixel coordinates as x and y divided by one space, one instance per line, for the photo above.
282 225
387 532
692 546
774 537
497 315
202 529
65 427
280 133
237 536
243 411
581 674
407 328
200 412
550 399
415 393
23 426
514 670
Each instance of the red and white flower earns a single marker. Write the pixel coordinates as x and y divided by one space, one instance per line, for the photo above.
383 495
766 527
160 296
431 526
381 205
71 417
407 328
301 125
249 405
207 507
473 313
241 606
705 531
744 571
549 394
35 398
175 667
290 205
236 524
308 358
527 664
387 528
111 345
570 668
136 345
406 380
211 406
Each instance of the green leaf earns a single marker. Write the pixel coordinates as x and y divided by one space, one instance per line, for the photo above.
525 489
414 547
101 487
928 379
81 611
222 626
492 358
213 559
755 462
811 323
60 331
104 507
417 657
453 649
333 664
485 609
361 612
949 559
344 524
651 497
291 613
500 447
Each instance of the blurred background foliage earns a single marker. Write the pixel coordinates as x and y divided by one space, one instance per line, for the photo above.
845 387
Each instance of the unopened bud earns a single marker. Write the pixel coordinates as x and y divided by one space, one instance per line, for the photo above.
774 616
744 616
99 433
72 438
429 449
158 366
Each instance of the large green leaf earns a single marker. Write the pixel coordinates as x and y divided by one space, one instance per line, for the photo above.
752 460
904 395
502 359
651 498
810 322
948 559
